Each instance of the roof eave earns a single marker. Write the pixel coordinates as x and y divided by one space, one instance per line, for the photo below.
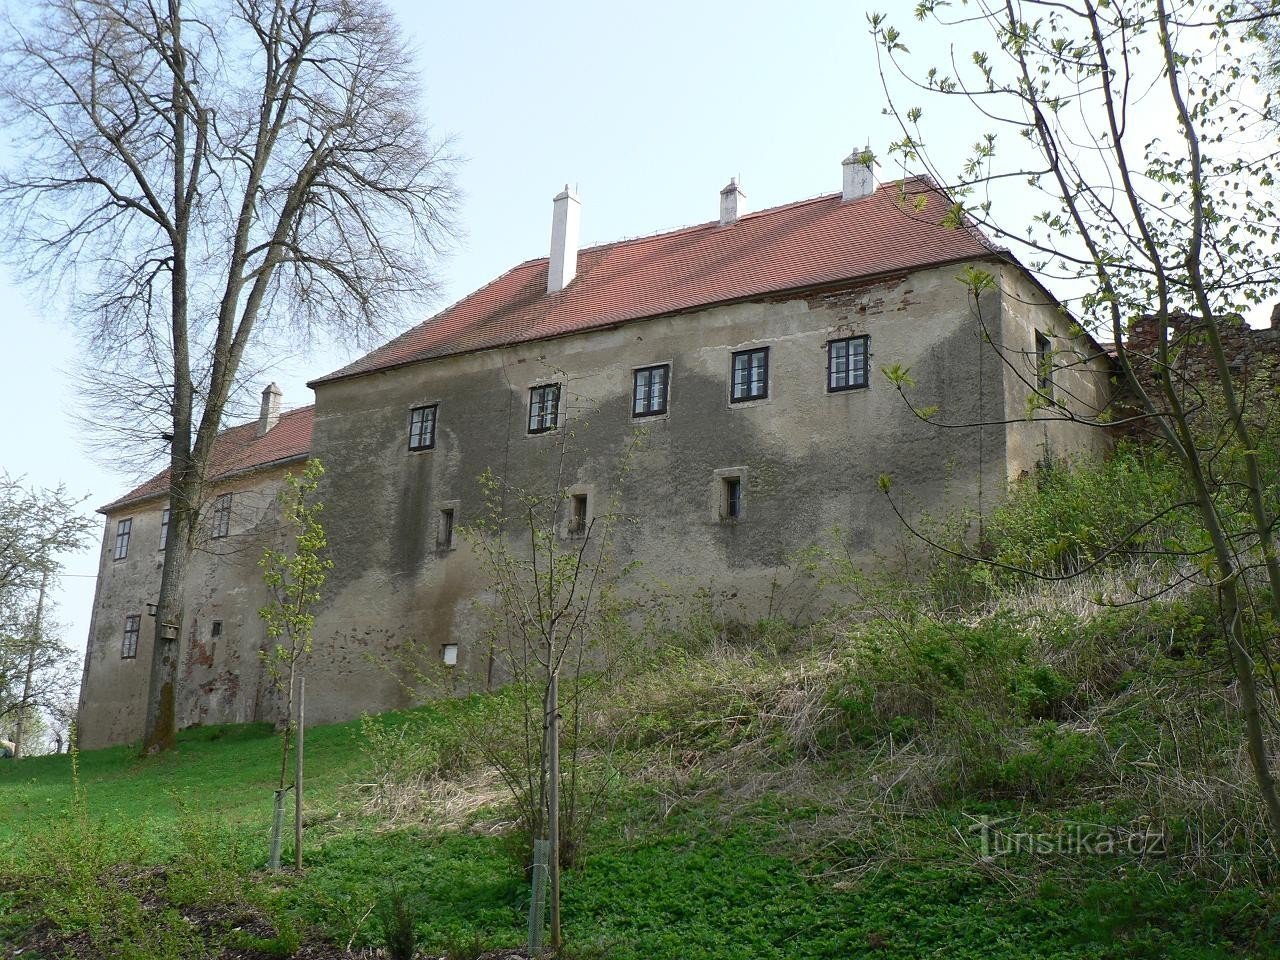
118 505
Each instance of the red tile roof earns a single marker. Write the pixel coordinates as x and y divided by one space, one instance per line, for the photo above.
239 450
806 244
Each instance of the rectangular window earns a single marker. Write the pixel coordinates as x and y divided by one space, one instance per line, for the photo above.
215 630
449 654
123 529
1044 365
222 516
422 428
578 515
164 528
544 407
444 533
129 646
847 364
731 498
649 395
750 375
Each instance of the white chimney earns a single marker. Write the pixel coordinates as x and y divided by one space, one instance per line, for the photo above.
732 203
566 214
859 181
270 414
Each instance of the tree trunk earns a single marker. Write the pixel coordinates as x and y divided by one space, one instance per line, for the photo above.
297 775
553 802
19 736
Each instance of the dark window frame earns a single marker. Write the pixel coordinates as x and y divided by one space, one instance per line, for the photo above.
129 643
124 532
446 530
1044 365
751 382
221 516
731 498
851 383
418 419
635 390
548 416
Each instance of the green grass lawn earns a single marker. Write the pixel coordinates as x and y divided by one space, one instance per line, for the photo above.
710 880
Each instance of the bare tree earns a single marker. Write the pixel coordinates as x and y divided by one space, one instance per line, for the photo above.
199 174
1141 135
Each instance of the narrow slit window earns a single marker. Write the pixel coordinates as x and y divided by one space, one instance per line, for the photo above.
544 408
578 515
731 498
750 375
123 531
129 645
444 532
164 529
847 364
649 392
422 427
215 630
1044 365
222 516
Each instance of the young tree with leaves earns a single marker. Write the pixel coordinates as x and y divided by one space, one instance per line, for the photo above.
294 577
1141 132
196 173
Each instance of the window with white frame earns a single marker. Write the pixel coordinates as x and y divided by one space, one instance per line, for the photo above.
422 427
649 390
129 645
750 375
847 364
222 516
124 530
544 407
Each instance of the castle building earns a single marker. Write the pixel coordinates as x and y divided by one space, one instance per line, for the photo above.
721 385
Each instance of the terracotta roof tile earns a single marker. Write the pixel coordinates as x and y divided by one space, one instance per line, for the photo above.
806 244
237 450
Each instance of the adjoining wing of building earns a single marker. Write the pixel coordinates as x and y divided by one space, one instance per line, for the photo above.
748 350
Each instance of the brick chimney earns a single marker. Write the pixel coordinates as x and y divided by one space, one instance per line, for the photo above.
566 214
732 203
859 180
270 414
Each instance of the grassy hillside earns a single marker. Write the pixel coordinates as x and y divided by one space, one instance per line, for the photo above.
785 795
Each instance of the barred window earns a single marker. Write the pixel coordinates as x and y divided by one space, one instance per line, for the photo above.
847 364
164 528
544 408
129 646
422 427
123 532
222 516
750 375
649 395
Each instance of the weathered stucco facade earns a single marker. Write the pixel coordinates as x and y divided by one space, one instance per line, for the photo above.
807 460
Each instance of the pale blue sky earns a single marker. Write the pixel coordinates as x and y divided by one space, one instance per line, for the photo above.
648 109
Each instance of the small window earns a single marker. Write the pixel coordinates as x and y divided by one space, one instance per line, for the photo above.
215 630
1044 366
449 654
123 530
544 408
422 428
578 515
164 528
649 393
222 516
129 646
731 498
750 375
444 532
847 364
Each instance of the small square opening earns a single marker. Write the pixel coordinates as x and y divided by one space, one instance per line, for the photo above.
449 654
